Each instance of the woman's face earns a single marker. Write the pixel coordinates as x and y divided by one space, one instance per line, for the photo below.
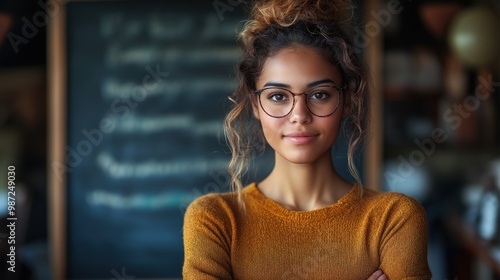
300 137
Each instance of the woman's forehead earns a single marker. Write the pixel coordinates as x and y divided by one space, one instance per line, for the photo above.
298 66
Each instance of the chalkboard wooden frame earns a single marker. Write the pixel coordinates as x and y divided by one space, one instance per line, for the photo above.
56 64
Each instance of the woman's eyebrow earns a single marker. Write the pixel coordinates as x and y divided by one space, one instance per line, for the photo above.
324 81
273 84
310 85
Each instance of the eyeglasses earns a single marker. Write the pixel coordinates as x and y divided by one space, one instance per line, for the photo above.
321 101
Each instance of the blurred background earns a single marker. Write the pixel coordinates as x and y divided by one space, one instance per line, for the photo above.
111 111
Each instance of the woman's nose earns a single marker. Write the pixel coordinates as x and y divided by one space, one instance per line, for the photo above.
300 113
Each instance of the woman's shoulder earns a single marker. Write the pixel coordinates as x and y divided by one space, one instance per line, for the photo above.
225 203
397 203
211 202
395 214
209 211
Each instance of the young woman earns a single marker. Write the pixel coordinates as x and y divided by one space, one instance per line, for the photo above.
298 80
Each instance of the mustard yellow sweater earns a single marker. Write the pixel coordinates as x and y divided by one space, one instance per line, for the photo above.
348 240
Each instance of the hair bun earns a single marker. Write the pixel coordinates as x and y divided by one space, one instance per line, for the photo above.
287 12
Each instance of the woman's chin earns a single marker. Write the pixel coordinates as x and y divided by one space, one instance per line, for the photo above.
302 157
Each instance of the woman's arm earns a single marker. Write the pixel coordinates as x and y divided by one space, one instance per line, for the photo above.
403 248
206 242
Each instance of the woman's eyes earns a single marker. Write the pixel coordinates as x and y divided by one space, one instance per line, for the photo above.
278 96
319 95
282 96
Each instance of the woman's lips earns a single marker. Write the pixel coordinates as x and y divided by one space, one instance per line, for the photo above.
301 137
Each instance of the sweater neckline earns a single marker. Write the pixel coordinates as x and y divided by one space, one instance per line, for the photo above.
340 207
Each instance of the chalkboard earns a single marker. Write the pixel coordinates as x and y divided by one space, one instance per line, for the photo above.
147 87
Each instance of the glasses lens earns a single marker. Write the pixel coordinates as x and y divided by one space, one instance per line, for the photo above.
321 101
276 102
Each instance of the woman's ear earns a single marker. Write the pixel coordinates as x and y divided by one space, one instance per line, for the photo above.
255 106
346 109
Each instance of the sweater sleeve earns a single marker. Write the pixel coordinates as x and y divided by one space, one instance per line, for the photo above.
206 241
403 247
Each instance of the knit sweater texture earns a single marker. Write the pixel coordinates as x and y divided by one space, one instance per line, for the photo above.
347 240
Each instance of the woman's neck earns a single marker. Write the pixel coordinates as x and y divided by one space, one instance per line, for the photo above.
304 187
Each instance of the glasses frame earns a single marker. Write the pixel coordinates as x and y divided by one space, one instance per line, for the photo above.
306 94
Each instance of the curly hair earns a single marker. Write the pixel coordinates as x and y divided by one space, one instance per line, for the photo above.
274 26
